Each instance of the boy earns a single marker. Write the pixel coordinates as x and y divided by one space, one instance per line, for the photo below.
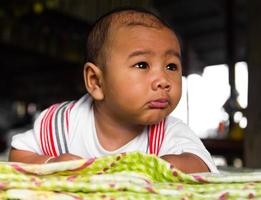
133 79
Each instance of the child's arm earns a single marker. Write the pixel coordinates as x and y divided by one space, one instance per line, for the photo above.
34 158
187 162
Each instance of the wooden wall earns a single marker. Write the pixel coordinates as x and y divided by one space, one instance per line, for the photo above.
253 132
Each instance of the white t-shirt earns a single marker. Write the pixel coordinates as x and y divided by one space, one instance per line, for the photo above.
82 138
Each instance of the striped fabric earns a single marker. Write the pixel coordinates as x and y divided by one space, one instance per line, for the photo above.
156 136
54 131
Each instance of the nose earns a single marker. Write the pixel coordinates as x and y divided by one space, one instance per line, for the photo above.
161 82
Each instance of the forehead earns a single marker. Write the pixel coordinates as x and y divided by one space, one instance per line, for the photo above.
138 37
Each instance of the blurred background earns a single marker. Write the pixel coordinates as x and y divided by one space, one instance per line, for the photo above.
42 53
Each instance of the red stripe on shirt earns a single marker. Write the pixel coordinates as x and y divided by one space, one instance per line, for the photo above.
42 131
159 137
54 153
151 135
48 122
154 139
45 142
156 135
47 126
160 134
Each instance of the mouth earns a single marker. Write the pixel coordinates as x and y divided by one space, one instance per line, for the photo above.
159 104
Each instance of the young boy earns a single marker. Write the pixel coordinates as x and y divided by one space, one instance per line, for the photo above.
133 79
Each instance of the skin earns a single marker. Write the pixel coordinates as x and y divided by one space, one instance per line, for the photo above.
143 63
149 71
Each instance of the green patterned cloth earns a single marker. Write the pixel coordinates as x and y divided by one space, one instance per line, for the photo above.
124 176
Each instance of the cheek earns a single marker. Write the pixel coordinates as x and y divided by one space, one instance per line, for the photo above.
177 89
119 87
132 83
128 92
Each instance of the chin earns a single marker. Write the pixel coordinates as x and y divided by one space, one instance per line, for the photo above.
152 117
154 120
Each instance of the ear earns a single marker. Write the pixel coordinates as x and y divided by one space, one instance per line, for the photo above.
93 79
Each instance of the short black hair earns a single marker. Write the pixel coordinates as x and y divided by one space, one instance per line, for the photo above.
100 30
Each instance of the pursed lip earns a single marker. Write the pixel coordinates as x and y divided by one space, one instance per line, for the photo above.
159 103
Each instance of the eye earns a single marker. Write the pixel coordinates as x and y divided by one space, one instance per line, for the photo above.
142 65
172 67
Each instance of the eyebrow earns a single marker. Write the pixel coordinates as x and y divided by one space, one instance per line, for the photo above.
139 53
173 52
170 52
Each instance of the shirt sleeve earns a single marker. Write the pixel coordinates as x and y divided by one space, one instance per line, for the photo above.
30 140
26 141
179 138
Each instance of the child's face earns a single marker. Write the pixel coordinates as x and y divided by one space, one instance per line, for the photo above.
142 76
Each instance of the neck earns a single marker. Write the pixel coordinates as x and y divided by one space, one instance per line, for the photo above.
112 132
